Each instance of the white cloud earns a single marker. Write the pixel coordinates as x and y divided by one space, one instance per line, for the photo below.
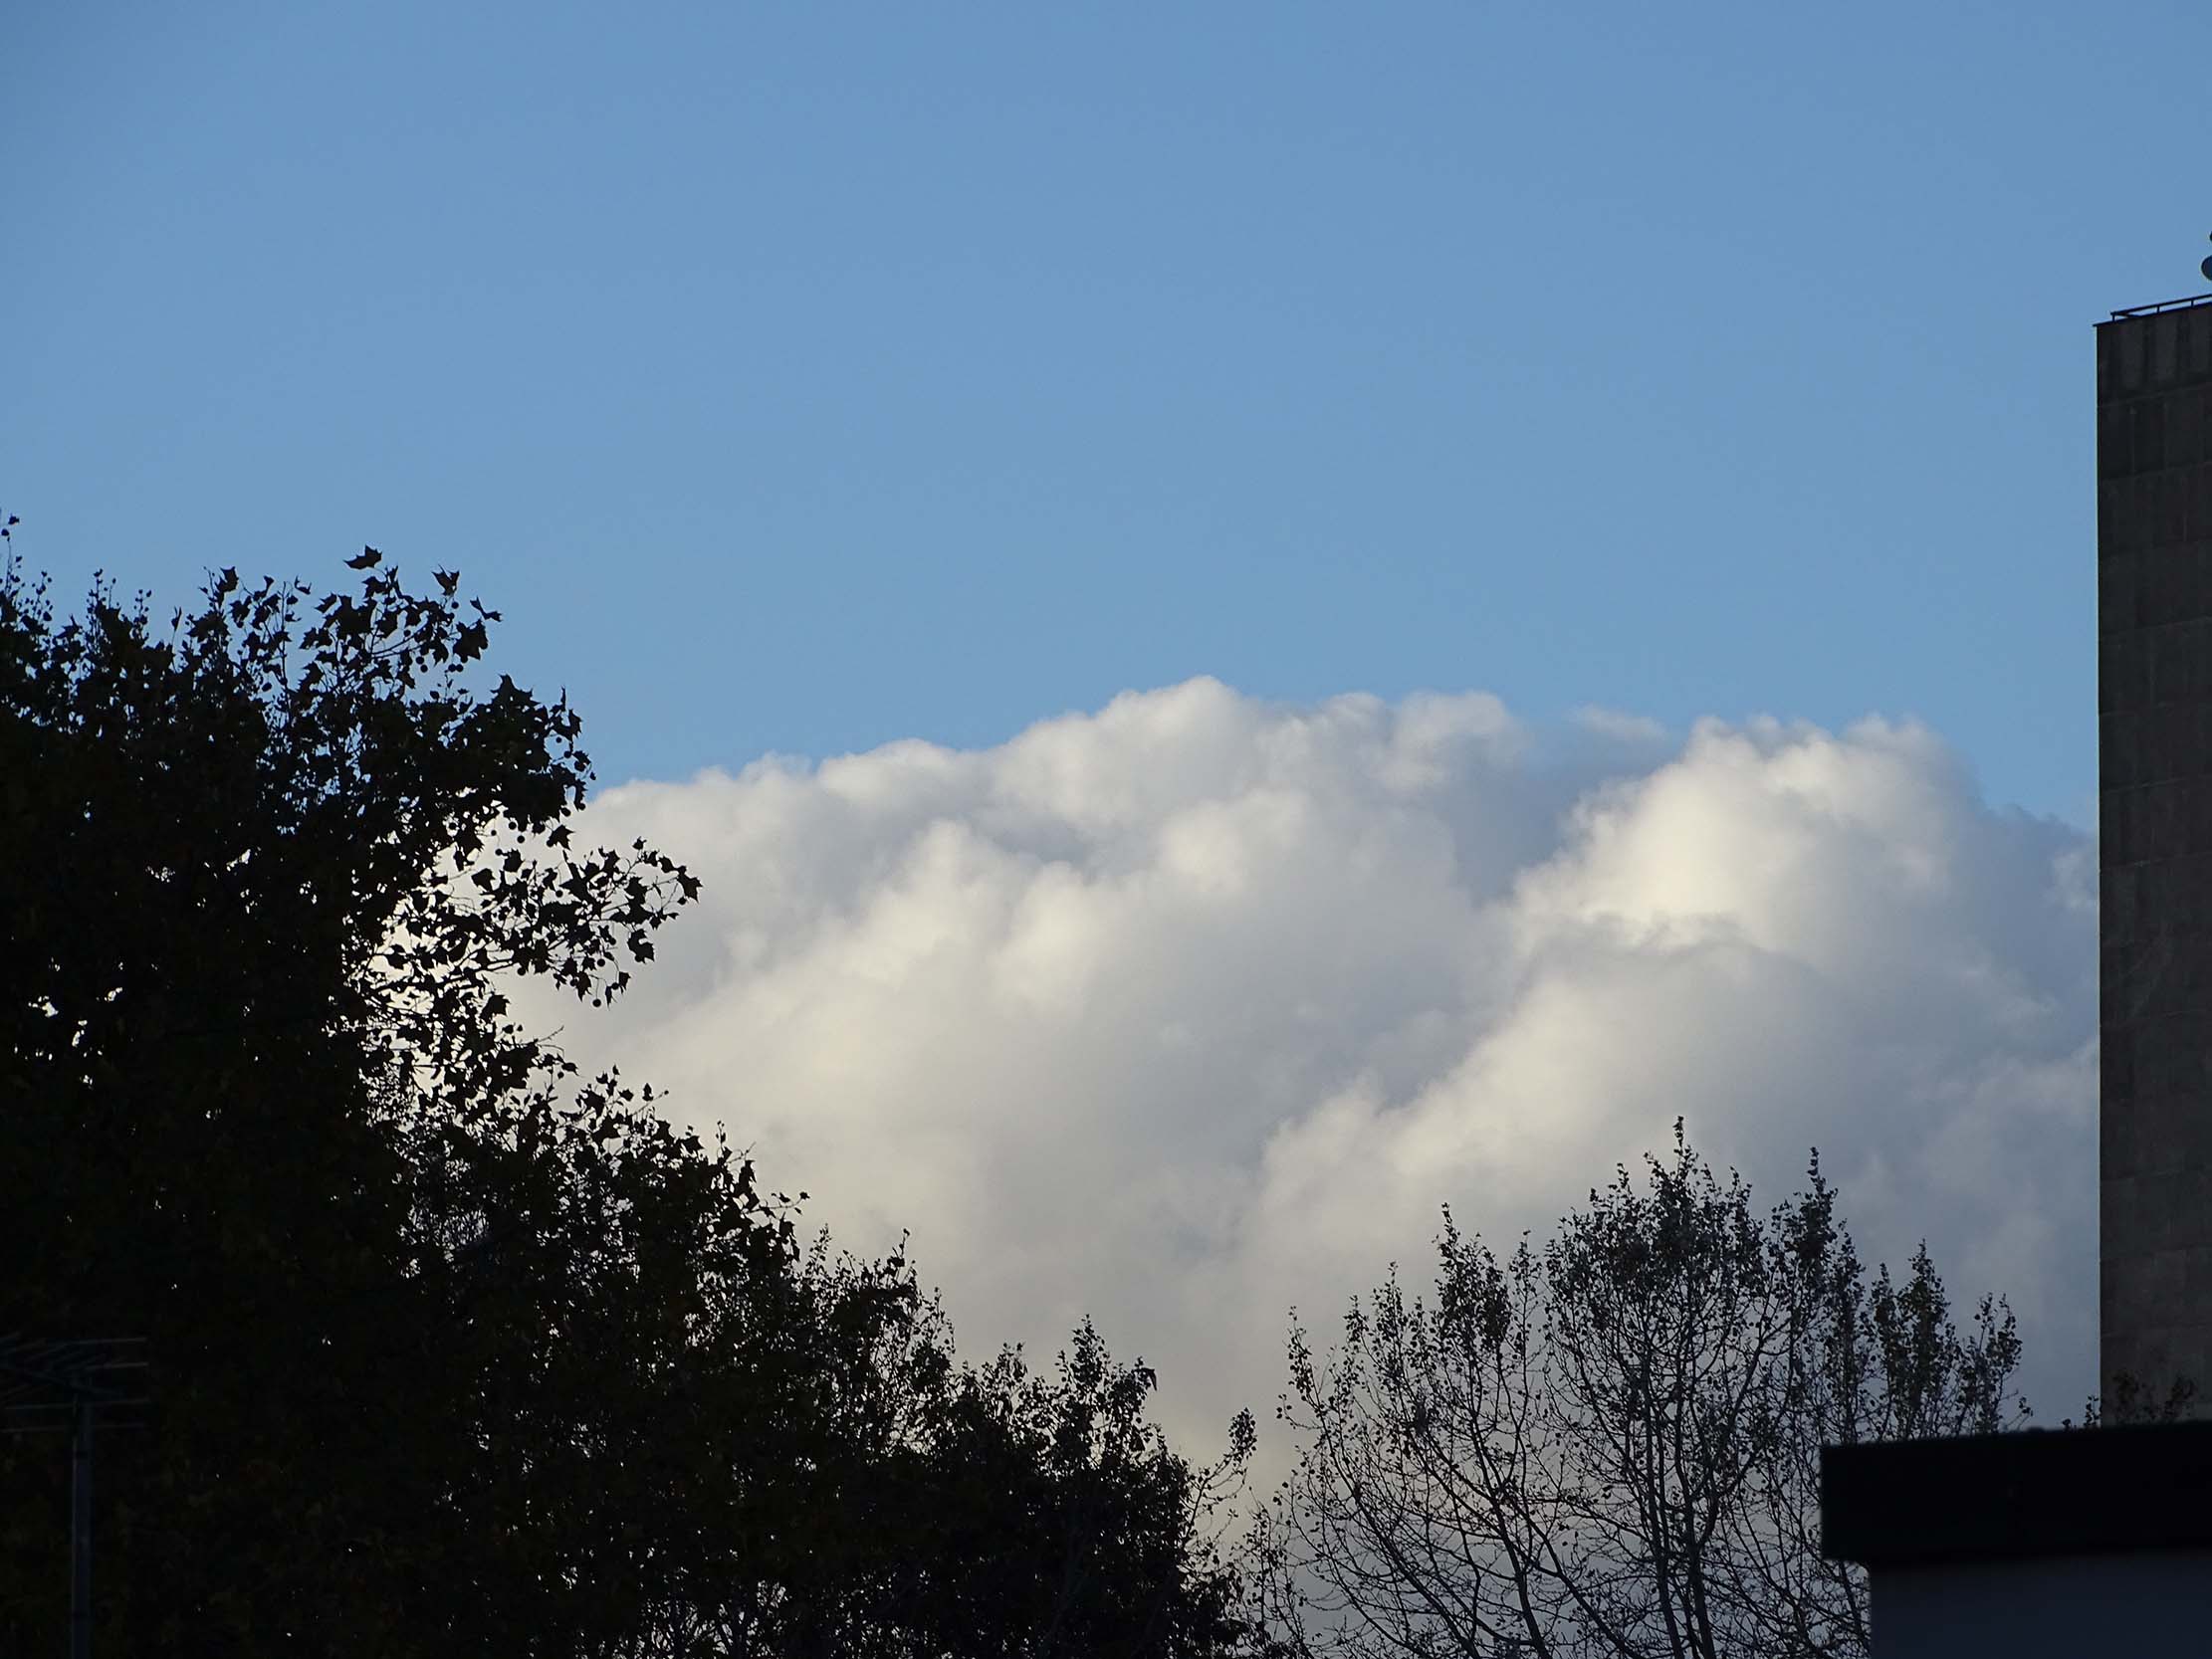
1199 1006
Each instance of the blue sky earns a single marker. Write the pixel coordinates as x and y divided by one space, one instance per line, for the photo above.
801 378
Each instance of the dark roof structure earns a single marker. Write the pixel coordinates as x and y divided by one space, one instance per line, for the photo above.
1991 1497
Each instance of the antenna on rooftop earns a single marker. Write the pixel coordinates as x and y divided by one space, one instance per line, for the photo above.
2206 268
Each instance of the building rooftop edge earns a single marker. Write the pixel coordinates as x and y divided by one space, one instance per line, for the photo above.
1986 1497
2181 305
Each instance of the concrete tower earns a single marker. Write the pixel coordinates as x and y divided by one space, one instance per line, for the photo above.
2154 779
2054 1545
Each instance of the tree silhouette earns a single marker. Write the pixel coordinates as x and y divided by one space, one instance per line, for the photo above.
455 1351
1611 1446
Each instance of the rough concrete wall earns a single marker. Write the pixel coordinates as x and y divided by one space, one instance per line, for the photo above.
2154 753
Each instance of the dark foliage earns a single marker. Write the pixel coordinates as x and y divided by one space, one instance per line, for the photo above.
455 1352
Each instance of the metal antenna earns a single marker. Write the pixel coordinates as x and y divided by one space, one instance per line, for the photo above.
47 1388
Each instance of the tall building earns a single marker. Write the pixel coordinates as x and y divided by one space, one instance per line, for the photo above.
2154 780
2051 1546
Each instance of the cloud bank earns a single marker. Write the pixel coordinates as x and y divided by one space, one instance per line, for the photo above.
1194 1008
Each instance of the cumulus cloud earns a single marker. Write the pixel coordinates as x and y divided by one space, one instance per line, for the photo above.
1196 1007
